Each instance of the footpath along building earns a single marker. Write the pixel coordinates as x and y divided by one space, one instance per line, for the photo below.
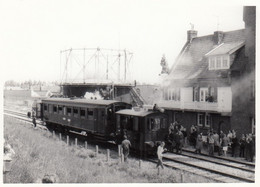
212 82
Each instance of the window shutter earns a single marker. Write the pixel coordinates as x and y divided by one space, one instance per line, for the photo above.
215 96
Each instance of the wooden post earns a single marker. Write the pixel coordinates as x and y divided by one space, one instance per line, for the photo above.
96 149
68 139
140 163
158 173
53 134
60 136
108 154
182 177
119 150
86 145
122 158
76 142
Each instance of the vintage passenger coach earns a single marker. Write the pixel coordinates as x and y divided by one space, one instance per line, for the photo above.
87 116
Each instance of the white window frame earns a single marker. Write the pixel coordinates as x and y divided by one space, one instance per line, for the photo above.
174 94
205 92
208 118
213 62
200 115
218 62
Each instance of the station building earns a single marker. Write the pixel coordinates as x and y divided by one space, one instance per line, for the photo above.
212 82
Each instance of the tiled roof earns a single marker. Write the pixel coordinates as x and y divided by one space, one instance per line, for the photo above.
191 62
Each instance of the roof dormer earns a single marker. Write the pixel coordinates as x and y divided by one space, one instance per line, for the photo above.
219 57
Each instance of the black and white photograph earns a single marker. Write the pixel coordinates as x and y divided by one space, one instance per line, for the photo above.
133 92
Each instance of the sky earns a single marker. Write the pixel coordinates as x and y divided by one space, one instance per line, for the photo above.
33 32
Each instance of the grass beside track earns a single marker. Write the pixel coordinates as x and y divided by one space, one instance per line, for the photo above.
37 154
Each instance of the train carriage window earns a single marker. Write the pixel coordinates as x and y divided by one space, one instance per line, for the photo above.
163 123
69 111
82 113
50 108
60 111
45 108
90 113
75 112
55 109
153 124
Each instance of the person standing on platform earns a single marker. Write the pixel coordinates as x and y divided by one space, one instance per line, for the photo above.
211 144
160 150
199 144
224 143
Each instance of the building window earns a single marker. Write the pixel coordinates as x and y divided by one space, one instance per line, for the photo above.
225 62
212 63
204 120
200 119
174 94
208 120
196 93
218 62
218 65
203 94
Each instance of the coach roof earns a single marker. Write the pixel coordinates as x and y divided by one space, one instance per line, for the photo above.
81 101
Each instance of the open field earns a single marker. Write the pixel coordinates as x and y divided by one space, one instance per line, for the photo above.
37 154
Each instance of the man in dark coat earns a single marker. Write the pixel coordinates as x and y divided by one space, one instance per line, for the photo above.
179 141
34 122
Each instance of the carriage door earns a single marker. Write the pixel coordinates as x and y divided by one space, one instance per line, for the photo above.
100 122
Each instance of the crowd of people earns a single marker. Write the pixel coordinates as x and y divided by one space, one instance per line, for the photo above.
214 143
223 143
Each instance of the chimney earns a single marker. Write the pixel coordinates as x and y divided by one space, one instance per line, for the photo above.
218 37
191 34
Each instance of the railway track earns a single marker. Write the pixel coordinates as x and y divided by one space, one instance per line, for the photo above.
217 168
207 168
23 117
233 161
